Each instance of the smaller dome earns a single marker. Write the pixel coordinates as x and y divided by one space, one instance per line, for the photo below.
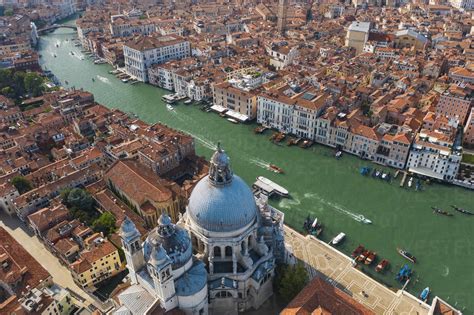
128 230
172 239
158 256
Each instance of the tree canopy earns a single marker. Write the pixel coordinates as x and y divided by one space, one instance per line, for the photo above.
290 280
22 184
105 223
81 204
15 84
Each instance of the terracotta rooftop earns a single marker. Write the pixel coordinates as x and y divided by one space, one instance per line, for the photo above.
320 297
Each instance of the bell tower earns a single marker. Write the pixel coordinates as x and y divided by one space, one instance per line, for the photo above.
159 267
131 242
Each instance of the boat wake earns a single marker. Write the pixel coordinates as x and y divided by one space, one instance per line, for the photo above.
205 142
446 271
355 216
103 79
260 163
288 203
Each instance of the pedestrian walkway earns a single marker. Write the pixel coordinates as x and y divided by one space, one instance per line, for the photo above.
30 242
330 264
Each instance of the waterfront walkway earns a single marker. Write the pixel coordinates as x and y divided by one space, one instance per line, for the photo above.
330 264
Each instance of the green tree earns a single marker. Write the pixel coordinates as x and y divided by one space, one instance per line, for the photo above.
80 199
290 280
8 91
22 184
105 223
8 12
33 84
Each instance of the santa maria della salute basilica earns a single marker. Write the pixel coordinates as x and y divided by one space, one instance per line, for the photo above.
219 258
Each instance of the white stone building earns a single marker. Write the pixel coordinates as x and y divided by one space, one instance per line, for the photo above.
143 51
432 154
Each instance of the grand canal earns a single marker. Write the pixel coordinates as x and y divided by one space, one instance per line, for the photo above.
330 189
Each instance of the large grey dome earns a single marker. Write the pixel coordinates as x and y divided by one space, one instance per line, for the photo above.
222 208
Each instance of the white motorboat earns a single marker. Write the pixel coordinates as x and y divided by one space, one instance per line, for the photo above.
187 102
232 120
339 238
124 80
410 182
169 107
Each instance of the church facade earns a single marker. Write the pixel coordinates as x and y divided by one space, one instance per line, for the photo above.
219 258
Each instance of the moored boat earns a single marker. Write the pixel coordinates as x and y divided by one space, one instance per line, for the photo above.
407 255
260 129
169 107
410 182
187 102
314 227
363 255
425 294
338 154
404 273
275 169
370 258
306 144
339 238
381 266
232 120
356 252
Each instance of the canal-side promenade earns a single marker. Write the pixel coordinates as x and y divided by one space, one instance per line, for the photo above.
337 269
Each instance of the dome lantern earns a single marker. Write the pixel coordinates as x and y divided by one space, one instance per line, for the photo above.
220 172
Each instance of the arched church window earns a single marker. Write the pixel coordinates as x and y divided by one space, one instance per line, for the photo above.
228 251
217 251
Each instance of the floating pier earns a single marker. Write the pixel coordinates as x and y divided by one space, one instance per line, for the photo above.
402 183
269 187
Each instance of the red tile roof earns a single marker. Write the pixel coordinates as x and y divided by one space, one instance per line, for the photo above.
320 297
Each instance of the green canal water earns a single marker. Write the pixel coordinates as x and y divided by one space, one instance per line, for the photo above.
330 189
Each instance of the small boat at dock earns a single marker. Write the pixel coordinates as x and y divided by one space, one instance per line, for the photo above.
305 144
232 120
370 258
410 182
187 102
365 170
382 266
275 169
441 212
313 227
293 141
338 154
363 255
356 252
260 129
169 107
278 137
424 295
407 255
339 238
404 274
124 80
464 211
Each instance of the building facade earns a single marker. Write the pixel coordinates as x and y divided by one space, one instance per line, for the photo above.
143 51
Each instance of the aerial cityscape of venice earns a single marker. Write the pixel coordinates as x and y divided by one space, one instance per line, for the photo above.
236 156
